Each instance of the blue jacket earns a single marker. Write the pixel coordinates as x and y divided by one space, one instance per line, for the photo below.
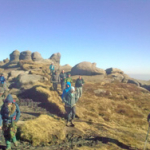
2 79
51 67
66 90
5 115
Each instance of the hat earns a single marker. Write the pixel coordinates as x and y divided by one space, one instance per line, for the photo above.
72 89
1 90
9 99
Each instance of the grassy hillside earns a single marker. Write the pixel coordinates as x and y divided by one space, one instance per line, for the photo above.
114 115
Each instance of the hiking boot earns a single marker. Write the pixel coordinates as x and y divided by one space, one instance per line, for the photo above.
72 124
16 144
67 124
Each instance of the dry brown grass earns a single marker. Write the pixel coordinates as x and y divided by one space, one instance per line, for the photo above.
43 130
120 115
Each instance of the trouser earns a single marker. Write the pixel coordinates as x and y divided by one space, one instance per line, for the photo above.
9 131
4 86
63 84
55 86
79 92
71 112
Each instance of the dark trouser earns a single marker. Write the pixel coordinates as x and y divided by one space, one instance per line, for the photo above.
71 112
63 84
55 86
10 131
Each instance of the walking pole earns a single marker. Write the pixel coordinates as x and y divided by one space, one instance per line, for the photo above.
146 138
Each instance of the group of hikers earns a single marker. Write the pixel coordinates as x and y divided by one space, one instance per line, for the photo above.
70 95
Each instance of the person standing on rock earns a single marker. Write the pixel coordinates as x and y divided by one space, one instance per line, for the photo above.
10 114
2 81
52 68
79 83
55 80
68 79
70 100
62 79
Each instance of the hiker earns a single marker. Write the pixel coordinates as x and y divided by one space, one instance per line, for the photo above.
68 79
62 79
2 81
78 85
70 100
66 90
55 80
52 68
10 114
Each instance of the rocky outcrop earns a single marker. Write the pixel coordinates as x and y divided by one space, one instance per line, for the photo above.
27 80
36 56
66 68
14 56
56 58
114 70
87 68
133 81
15 73
6 60
25 55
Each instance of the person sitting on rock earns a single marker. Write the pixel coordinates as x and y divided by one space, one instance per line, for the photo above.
68 79
70 100
52 68
55 80
62 79
2 81
10 114
78 85
66 90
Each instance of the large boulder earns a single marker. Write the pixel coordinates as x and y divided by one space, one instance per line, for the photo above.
117 76
14 56
27 80
113 70
6 60
87 68
15 73
56 58
25 55
36 56
66 68
133 81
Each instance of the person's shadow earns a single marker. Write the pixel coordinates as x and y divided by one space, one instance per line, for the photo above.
2 147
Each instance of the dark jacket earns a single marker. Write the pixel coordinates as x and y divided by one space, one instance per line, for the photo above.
9 116
70 99
2 79
55 78
62 77
79 82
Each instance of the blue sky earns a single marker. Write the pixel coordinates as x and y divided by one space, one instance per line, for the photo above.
112 33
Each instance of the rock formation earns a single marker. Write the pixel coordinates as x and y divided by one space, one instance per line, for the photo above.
87 68
56 58
36 56
14 56
25 55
